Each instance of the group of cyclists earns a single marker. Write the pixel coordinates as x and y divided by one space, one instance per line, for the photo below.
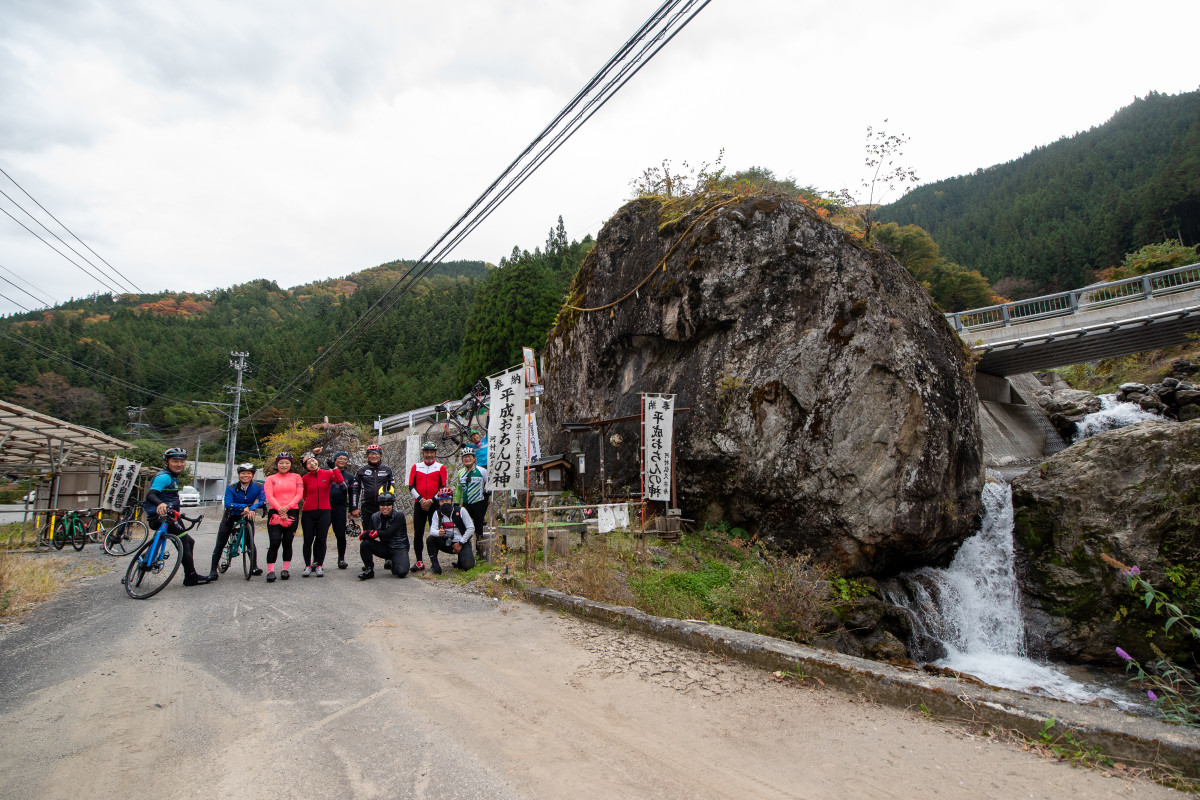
448 510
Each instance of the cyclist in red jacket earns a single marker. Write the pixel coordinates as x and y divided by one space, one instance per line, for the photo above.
424 481
314 519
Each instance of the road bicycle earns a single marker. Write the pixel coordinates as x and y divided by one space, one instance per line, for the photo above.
453 433
241 542
127 535
157 561
70 527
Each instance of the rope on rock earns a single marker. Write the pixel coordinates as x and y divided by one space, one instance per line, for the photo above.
663 263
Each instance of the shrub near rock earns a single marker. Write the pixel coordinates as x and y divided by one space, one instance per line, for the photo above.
1133 494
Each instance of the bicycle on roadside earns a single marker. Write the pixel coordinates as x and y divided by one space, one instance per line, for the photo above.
157 561
454 432
241 542
127 535
69 527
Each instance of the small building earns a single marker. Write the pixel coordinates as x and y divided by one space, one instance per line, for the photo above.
549 474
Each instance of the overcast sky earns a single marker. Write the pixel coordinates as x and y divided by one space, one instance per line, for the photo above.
199 145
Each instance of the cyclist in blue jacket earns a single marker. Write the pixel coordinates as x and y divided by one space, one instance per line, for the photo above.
242 499
162 499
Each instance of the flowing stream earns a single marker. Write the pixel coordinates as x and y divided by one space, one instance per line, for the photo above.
1112 415
968 616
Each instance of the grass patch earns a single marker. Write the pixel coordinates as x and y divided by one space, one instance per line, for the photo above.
712 575
28 580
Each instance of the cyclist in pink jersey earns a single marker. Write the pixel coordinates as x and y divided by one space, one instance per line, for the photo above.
284 491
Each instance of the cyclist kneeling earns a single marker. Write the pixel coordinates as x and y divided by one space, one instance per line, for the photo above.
242 499
387 537
162 502
450 531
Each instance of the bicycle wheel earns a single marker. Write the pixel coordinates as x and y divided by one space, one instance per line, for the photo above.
126 537
446 438
59 537
144 579
248 554
78 536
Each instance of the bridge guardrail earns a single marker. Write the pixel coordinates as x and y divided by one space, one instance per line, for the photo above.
1063 304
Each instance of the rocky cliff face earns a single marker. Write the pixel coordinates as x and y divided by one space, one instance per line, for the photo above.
1133 494
831 404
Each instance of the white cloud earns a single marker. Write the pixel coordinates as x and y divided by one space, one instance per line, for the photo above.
199 145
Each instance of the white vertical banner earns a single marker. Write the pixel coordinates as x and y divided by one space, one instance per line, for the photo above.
412 454
658 428
506 434
120 483
531 376
531 431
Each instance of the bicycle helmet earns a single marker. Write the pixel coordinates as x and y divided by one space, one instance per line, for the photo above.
371 448
174 452
387 499
284 455
429 446
247 468
304 459
467 451
444 495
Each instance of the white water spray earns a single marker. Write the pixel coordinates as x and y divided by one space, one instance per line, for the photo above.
973 609
1112 415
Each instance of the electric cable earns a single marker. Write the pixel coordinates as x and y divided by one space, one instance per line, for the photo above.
61 253
9 299
422 266
138 289
41 301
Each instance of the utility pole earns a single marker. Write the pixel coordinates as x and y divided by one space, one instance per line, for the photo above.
136 427
196 468
239 364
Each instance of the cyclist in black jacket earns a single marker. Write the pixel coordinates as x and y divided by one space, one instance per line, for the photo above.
369 483
387 538
339 498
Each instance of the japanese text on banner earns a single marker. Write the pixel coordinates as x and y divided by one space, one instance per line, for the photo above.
531 430
658 413
506 434
120 482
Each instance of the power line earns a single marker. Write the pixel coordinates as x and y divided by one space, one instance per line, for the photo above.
40 300
668 11
61 253
68 230
46 352
14 302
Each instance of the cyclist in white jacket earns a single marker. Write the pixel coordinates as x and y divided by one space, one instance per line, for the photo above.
450 531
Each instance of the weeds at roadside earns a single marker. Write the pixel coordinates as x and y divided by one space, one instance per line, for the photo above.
797 677
27 581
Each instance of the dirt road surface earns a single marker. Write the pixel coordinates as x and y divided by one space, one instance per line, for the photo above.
416 688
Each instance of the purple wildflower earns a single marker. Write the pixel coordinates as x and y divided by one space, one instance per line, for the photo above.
1124 656
1153 697
1134 570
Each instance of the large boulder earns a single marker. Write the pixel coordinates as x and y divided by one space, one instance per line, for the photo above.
831 405
1132 494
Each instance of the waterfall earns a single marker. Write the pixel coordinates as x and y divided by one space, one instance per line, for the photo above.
968 616
1112 415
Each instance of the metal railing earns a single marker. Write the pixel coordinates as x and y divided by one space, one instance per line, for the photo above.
1128 290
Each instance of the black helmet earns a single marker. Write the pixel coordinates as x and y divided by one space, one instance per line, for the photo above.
246 468
387 499
174 452
284 454
429 446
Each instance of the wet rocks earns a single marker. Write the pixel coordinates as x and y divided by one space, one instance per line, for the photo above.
1132 494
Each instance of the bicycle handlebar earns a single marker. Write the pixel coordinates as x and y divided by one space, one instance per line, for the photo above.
193 520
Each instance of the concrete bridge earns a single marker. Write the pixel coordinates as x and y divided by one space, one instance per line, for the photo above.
1101 321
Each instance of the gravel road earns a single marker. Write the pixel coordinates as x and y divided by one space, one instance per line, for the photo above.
333 688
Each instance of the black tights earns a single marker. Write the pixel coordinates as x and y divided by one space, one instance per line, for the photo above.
281 535
223 534
337 520
316 532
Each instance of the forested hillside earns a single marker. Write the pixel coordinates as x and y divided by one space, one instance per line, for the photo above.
1047 220
168 349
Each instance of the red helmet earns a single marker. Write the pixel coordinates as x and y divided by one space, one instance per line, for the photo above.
444 495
